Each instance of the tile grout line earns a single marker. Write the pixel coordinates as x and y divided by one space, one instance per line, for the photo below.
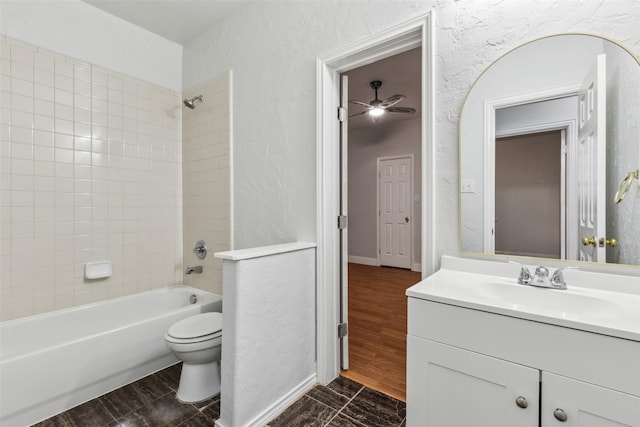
347 404
338 411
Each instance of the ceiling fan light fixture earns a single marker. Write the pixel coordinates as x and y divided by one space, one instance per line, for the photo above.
375 112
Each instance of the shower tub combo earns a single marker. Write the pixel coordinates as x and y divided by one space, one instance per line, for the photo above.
54 361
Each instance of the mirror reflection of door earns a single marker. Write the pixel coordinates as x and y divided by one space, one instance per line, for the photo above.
529 189
591 173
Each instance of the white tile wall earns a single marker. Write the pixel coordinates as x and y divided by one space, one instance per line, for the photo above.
90 169
206 140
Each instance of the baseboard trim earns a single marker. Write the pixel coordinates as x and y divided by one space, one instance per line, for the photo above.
416 266
279 406
364 260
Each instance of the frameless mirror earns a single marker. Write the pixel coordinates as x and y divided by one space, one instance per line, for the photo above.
548 134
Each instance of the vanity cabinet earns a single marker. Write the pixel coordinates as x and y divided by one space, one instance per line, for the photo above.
468 367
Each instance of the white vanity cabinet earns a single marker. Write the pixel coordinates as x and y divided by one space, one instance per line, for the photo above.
473 368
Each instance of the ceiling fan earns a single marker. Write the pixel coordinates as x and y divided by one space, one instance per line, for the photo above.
377 107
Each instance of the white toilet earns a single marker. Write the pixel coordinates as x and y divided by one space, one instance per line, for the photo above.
197 341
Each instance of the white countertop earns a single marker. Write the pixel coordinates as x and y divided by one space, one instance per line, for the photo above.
242 254
594 302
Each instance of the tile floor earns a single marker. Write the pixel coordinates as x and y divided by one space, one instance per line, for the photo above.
151 402
343 403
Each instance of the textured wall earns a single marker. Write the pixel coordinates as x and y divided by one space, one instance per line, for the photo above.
90 170
623 139
268 348
206 187
272 46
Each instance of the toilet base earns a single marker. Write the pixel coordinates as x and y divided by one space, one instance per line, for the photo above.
198 382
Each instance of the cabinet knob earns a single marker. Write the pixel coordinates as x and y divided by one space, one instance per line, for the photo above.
560 415
521 402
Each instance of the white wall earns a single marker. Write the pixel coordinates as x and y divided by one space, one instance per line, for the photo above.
272 46
81 31
366 144
268 348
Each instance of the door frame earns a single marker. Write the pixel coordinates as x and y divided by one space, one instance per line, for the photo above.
411 208
413 33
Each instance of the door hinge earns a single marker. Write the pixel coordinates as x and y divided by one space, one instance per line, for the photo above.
342 330
342 222
342 114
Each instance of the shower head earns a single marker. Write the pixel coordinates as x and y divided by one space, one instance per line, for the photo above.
191 103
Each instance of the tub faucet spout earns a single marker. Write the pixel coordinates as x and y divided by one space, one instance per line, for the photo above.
190 270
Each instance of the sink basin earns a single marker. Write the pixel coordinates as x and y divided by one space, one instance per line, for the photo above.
561 303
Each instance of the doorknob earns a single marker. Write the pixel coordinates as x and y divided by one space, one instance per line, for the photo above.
589 241
406 219
609 242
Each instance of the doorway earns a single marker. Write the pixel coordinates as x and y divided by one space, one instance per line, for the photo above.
401 38
529 196
382 227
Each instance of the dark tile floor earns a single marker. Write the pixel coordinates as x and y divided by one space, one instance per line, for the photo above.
151 402
343 403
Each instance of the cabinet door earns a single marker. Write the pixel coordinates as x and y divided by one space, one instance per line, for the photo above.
448 386
586 405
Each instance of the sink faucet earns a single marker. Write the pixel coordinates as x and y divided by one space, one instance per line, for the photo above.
541 277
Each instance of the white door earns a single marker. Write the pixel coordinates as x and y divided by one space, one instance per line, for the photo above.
458 388
591 160
395 211
342 225
582 404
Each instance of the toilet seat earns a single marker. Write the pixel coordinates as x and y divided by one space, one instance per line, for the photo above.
201 327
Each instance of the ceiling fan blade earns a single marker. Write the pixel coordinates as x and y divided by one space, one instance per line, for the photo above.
401 110
358 114
364 104
392 100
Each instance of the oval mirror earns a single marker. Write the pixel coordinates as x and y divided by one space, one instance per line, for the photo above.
548 135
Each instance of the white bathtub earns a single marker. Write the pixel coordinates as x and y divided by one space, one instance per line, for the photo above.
54 361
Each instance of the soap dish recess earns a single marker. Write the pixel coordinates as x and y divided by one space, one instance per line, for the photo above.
97 270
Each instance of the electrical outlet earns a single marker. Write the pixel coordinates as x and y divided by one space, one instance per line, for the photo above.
468 186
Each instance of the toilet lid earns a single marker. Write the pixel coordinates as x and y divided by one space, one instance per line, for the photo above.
196 326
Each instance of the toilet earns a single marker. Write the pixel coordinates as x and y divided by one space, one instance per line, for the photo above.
197 341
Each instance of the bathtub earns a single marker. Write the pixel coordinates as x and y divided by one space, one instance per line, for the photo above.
54 361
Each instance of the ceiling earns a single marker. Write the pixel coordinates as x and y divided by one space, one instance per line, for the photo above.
399 74
175 20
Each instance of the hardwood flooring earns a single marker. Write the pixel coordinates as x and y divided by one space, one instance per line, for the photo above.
378 327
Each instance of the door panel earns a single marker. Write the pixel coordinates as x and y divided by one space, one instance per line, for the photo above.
395 184
344 237
591 162
458 388
586 405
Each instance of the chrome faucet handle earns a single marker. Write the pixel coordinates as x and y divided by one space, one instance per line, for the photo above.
557 278
542 272
525 275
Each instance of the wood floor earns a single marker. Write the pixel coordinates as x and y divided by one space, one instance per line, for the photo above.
378 327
